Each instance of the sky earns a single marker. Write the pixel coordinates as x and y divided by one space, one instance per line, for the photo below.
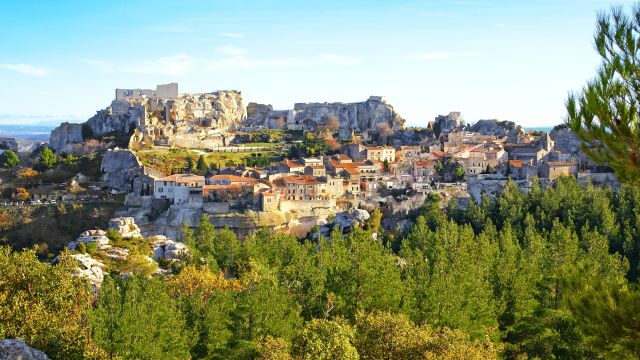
510 60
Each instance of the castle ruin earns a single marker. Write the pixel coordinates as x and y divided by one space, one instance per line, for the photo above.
166 91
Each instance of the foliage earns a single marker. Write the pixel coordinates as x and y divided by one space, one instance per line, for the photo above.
604 114
21 194
135 318
46 160
9 159
43 304
311 145
326 340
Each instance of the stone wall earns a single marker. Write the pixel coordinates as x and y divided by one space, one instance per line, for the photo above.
306 205
167 91
215 207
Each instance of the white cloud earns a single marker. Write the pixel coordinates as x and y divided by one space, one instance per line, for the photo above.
447 55
25 69
232 35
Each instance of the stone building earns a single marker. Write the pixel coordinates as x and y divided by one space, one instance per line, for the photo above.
178 188
166 91
555 169
381 153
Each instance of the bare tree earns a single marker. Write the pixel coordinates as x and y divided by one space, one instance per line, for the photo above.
384 129
332 123
281 122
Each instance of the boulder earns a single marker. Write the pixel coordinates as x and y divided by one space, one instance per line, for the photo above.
119 254
17 349
88 268
125 226
90 236
347 219
167 248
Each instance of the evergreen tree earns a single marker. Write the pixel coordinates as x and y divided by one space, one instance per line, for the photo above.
9 159
604 114
202 164
47 159
136 318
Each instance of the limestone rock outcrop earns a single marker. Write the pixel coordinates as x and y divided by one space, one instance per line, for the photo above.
88 268
167 248
65 136
565 140
447 123
90 236
347 219
125 226
497 128
17 349
120 167
189 120
361 116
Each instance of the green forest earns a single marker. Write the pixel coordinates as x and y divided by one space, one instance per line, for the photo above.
543 274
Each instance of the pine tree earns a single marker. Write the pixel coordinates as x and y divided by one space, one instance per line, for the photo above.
136 318
9 159
604 114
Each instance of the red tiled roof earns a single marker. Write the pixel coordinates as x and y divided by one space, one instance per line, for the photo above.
301 179
515 163
234 178
425 163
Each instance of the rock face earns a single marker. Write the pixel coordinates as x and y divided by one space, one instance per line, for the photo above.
187 120
361 116
565 140
64 136
447 123
497 128
17 349
125 226
120 167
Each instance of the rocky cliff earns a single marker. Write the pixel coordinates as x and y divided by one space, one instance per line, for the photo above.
189 120
497 128
361 116
64 136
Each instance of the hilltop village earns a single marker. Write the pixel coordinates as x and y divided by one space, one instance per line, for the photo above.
319 165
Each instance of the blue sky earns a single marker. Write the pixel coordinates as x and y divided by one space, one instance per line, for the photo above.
511 60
